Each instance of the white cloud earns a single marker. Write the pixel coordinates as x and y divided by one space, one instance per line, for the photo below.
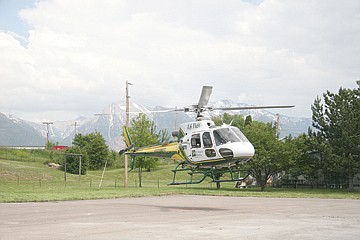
80 53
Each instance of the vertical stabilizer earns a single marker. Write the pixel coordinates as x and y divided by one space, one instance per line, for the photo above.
127 137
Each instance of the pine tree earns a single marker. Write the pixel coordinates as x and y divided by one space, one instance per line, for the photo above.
337 118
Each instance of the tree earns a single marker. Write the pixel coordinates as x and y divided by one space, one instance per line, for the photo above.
143 133
95 147
234 120
337 118
271 155
302 163
323 161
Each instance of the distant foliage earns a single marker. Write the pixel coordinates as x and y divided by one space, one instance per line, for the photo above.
50 145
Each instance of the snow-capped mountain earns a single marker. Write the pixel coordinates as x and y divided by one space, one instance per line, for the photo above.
17 132
112 118
288 125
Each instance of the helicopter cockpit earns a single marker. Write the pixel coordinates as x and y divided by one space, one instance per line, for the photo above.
210 142
228 135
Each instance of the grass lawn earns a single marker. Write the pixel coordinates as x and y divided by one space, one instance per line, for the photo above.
24 177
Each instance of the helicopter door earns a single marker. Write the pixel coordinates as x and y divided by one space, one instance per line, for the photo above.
201 152
208 145
197 152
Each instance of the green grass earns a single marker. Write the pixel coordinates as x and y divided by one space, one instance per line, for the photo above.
24 177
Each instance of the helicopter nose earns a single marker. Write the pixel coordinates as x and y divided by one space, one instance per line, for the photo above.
243 150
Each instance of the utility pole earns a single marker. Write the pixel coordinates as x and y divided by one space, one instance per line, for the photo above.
75 125
126 178
175 127
277 125
47 133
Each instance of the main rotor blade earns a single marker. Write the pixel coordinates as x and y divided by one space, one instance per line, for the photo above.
252 107
205 96
139 112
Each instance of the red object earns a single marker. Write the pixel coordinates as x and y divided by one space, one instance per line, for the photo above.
60 147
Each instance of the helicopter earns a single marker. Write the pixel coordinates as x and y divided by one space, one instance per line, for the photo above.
202 148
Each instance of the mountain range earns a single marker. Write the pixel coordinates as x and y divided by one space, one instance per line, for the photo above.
17 132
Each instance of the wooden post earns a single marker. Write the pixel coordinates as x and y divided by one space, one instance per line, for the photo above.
126 177
80 167
65 171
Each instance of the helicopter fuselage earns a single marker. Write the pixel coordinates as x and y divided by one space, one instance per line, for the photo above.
203 144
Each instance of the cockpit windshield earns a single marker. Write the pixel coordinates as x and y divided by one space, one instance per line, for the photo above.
228 135
239 134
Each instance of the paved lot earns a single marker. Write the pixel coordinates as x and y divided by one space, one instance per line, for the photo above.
183 217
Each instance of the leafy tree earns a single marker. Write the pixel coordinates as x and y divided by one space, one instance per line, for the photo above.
326 170
302 163
143 133
337 118
112 157
95 147
234 120
271 155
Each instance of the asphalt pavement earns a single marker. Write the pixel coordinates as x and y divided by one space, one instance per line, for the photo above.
183 217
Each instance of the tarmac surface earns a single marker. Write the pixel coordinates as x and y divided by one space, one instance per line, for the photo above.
183 217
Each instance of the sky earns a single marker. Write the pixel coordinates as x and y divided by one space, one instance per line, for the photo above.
65 59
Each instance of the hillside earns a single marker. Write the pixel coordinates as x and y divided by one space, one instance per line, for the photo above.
16 132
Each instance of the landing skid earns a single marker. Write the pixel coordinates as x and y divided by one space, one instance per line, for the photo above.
212 172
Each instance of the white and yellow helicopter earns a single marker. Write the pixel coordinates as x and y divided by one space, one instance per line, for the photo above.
202 147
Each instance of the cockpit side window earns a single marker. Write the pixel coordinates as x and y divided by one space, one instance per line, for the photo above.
207 140
195 141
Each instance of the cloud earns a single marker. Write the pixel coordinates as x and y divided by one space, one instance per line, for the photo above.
79 54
